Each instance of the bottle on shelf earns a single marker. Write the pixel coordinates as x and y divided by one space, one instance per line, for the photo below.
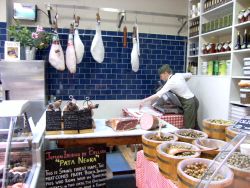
1 90
238 42
245 40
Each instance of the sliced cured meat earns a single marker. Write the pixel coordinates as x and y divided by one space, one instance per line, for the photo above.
122 124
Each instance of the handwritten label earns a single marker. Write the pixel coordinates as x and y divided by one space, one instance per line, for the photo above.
70 120
53 121
76 167
243 124
78 120
85 120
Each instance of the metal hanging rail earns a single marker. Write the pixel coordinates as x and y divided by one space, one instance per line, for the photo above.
118 10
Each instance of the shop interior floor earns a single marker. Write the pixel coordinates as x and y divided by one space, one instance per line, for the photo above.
122 181
118 164
123 174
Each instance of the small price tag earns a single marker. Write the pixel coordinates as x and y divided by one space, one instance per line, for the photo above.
243 124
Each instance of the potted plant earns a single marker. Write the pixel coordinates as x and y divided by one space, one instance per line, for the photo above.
30 41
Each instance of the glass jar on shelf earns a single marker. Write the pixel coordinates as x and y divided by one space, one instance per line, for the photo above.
247 15
241 18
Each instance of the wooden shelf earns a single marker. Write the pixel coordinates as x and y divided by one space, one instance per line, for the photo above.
194 37
212 76
216 54
221 9
241 77
218 32
242 51
242 25
191 19
238 103
193 56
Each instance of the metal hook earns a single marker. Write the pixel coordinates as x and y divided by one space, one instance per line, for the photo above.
71 97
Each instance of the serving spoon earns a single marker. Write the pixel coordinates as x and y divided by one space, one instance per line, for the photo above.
174 151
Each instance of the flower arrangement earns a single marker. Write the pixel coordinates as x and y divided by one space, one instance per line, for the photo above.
39 39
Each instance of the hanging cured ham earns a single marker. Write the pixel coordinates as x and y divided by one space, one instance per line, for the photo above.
71 53
97 47
79 47
135 53
56 55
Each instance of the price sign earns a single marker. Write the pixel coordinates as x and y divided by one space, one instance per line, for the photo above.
243 124
76 167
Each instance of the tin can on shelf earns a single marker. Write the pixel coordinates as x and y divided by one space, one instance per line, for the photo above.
210 68
204 68
216 67
226 21
228 63
216 24
222 68
221 23
230 19
208 26
212 25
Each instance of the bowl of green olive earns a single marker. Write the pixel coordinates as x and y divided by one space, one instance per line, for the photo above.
240 165
152 139
191 171
167 162
189 135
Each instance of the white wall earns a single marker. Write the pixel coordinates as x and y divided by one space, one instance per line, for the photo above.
3 12
170 25
213 95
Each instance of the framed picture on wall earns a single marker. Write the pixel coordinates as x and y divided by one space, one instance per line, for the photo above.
12 51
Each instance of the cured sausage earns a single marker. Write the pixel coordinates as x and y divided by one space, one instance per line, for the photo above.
149 122
125 33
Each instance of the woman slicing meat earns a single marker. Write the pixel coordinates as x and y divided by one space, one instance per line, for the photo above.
177 84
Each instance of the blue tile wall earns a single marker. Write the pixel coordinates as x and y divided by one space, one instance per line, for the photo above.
114 78
3 37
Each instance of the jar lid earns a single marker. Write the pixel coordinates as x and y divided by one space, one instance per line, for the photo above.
244 90
247 59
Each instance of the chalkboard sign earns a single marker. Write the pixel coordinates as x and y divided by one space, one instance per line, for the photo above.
76 167
53 121
243 124
85 120
70 120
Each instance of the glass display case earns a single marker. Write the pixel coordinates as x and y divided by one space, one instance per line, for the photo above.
20 153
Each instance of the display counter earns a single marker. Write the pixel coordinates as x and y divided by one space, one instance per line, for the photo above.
103 134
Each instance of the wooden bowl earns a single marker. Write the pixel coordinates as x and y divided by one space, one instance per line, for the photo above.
208 143
241 177
215 130
149 145
186 181
188 139
168 163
